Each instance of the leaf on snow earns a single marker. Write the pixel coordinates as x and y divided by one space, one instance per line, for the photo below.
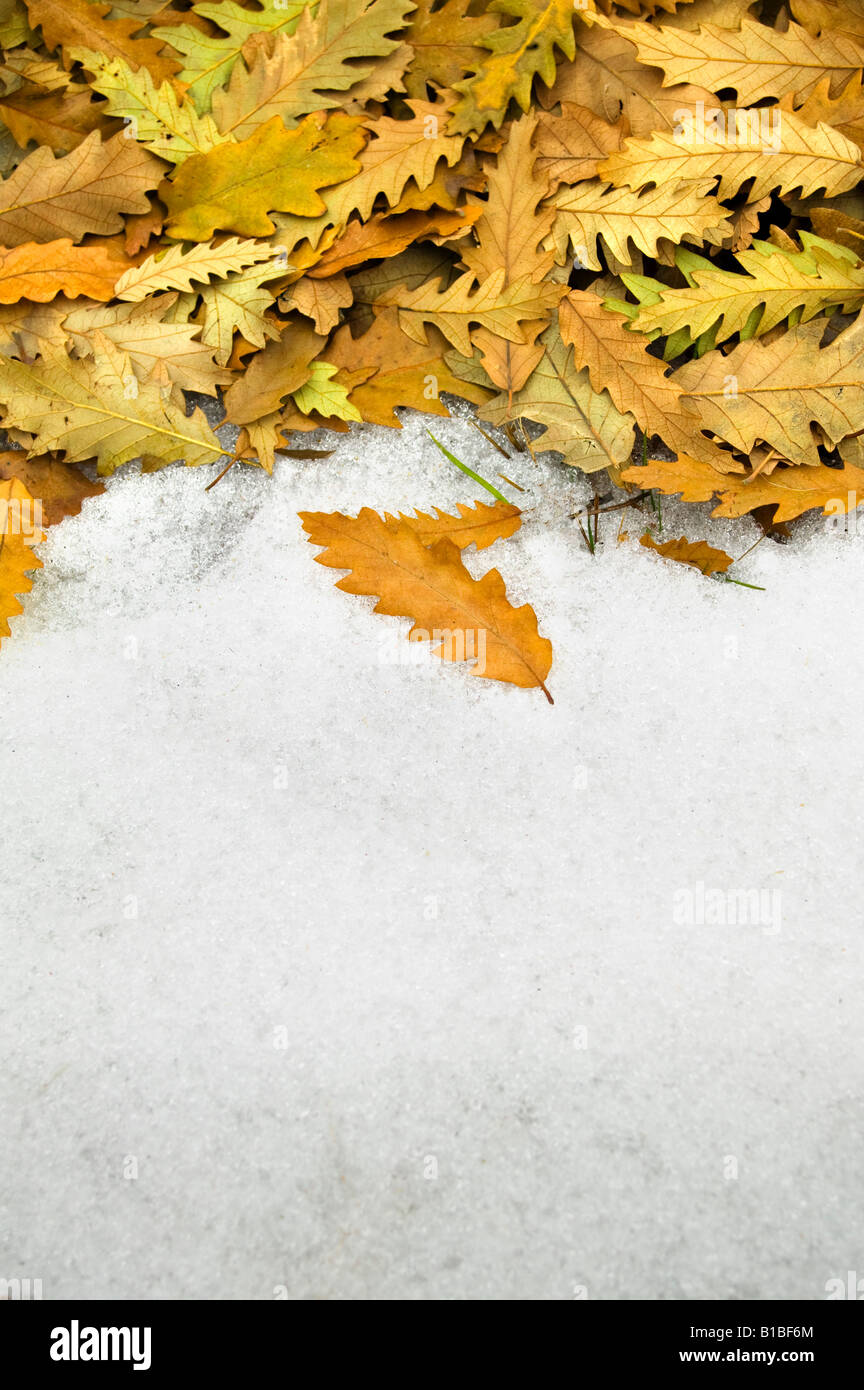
702 556
17 537
470 619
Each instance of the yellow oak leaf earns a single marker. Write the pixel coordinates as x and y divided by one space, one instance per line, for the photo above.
234 187
18 534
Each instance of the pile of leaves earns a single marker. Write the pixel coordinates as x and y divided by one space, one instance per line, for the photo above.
636 225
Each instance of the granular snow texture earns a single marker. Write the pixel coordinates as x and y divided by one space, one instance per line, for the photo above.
335 973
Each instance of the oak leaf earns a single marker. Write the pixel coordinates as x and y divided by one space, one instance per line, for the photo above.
167 124
18 534
85 191
158 350
181 268
210 57
321 394
445 43
775 391
294 75
617 362
280 369
518 52
58 487
756 61
40 271
319 300
69 24
234 187
775 284
570 146
480 524
470 619
582 424
59 120
677 212
791 491
607 77
454 309
702 556
798 156
403 372
94 408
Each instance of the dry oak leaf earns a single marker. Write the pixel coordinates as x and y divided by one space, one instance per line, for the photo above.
234 187
445 43
799 156
94 408
570 146
480 524
607 77
675 212
39 271
504 311
399 154
847 15
169 352
845 113
60 120
280 369
319 300
78 23
239 303
776 390
704 557
84 192
59 488
775 282
510 233
211 56
839 227
17 537
512 226
290 76
791 490
518 53
403 372
616 360
167 124
469 618
180 268
757 60
582 424
386 234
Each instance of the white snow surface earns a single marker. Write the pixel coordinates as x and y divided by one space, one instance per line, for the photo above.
329 975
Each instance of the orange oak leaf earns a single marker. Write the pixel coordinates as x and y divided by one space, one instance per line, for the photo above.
481 524
702 556
791 490
60 488
19 532
467 619
39 271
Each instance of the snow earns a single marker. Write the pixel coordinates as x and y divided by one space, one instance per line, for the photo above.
332 975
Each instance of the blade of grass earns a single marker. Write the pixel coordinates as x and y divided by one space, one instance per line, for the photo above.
469 471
